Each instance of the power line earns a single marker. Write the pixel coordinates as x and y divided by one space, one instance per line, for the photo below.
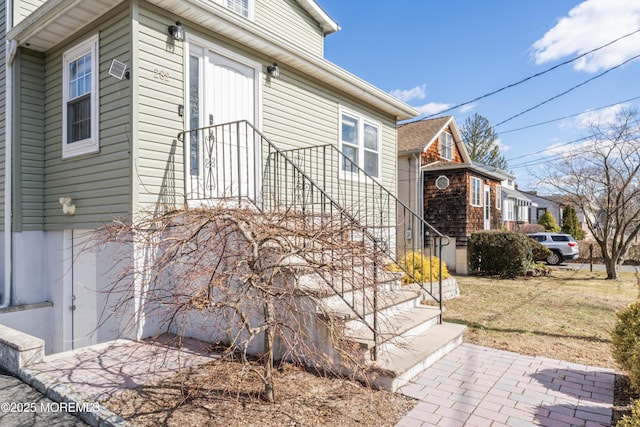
531 77
575 141
569 116
567 91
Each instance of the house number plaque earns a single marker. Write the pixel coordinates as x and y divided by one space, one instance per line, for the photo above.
161 75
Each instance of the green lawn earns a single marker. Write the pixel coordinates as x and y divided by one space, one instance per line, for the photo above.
567 315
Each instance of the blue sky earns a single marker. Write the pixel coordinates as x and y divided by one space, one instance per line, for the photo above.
437 54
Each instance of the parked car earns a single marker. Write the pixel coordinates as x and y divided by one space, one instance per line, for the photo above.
562 246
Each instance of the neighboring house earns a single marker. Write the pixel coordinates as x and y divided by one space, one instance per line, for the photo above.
439 181
515 204
542 204
105 105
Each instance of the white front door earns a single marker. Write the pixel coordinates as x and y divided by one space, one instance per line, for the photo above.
487 207
222 91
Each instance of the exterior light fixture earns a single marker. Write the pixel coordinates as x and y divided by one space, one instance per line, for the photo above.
176 31
273 70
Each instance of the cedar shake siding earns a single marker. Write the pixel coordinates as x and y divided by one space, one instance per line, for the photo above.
432 154
450 210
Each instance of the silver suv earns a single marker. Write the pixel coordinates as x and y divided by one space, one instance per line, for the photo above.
562 246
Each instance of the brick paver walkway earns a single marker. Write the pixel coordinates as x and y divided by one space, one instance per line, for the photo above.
480 386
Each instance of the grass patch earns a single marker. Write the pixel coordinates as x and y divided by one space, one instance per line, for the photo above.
567 315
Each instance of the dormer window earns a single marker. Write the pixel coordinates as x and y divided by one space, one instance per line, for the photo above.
446 146
241 7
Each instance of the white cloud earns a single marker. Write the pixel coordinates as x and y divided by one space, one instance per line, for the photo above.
591 24
407 95
467 107
432 108
604 116
502 146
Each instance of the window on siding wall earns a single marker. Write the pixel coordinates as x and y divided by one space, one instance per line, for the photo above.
446 146
476 186
509 216
360 144
241 7
80 99
498 197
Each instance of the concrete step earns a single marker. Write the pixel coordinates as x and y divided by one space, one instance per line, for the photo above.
398 364
389 303
394 329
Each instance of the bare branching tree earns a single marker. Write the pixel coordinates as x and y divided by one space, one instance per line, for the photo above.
602 180
256 282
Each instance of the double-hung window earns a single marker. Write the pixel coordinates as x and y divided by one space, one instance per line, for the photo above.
475 192
360 144
498 197
446 146
80 99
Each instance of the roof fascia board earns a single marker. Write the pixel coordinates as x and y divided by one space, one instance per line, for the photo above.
327 24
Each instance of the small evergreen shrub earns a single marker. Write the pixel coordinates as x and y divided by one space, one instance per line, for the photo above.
549 222
503 253
421 267
625 340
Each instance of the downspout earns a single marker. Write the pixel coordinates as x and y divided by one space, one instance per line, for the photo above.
11 48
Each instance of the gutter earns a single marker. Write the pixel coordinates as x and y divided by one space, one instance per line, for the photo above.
11 48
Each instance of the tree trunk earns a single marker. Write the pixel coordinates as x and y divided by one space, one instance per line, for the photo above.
612 268
269 338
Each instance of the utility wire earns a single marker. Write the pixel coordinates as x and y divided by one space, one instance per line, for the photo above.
569 116
531 77
575 141
566 91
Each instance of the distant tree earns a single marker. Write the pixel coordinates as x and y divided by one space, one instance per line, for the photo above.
481 142
570 223
602 179
549 222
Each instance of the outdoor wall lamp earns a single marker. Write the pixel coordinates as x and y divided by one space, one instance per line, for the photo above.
273 70
68 208
176 31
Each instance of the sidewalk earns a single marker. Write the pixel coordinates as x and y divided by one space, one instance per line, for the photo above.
480 386
92 374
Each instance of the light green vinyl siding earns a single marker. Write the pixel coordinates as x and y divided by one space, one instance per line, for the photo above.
299 112
99 184
25 8
159 169
3 32
288 20
29 142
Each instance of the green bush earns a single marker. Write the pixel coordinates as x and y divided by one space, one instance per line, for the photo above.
539 252
625 340
634 419
503 253
549 222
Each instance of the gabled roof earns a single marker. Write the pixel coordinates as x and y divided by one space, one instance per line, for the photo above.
416 137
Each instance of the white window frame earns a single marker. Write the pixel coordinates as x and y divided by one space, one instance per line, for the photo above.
446 146
499 197
91 144
250 7
510 207
476 193
362 120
